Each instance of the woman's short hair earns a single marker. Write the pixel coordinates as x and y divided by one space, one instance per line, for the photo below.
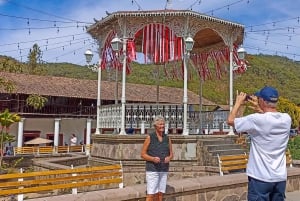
158 119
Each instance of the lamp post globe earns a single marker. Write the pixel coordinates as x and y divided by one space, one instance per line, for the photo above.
189 43
88 56
116 44
241 53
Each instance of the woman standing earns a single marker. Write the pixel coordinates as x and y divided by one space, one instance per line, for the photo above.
157 151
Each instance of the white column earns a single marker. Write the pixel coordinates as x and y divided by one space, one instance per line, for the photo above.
185 97
231 84
88 136
20 132
56 131
123 99
97 132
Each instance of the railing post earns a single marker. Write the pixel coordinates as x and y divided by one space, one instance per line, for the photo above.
121 185
74 190
167 127
21 196
143 127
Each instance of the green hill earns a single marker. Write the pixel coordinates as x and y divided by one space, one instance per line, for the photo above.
276 71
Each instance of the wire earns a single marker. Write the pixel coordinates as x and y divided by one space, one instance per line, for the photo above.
191 6
35 28
39 11
41 20
46 39
226 6
274 22
138 5
269 50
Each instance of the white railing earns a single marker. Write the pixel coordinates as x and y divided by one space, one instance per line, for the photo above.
138 115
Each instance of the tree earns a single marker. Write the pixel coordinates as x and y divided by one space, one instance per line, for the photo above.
6 120
36 101
11 65
291 108
35 61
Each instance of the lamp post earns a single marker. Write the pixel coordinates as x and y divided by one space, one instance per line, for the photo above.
88 56
241 55
116 45
189 43
201 105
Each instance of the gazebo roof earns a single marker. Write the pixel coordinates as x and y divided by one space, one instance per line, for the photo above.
162 13
208 32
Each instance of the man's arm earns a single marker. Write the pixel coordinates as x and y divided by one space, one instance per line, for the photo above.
240 99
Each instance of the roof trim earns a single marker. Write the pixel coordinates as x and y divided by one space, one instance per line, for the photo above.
164 13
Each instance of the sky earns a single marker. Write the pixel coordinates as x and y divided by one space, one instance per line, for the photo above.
58 26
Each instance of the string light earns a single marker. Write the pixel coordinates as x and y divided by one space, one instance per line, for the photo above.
43 20
37 28
194 3
137 4
226 6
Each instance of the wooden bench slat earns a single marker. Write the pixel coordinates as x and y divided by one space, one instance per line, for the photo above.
235 167
23 150
45 150
58 186
66 171
59 179
233 157
76 148
237 162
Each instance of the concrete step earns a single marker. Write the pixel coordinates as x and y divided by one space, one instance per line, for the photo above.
218 141
223 147
228 152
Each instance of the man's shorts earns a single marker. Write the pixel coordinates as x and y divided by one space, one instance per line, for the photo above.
156 182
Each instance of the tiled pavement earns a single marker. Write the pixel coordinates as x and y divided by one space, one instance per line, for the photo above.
293 196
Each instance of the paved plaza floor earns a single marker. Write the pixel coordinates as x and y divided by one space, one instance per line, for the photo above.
293 196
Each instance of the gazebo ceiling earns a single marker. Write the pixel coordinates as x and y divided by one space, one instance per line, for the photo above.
207 38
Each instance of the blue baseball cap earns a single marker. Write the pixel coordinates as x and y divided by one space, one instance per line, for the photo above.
269 94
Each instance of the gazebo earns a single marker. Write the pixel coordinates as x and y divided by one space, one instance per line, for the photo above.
164 36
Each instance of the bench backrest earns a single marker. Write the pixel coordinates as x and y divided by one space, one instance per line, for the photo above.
239 162
32 182
289 159
232 162
50 149
23 150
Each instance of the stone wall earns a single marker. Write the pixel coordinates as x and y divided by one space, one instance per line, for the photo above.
191 158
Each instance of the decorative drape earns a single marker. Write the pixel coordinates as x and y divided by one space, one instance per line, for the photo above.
220 60
113 59
160 45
